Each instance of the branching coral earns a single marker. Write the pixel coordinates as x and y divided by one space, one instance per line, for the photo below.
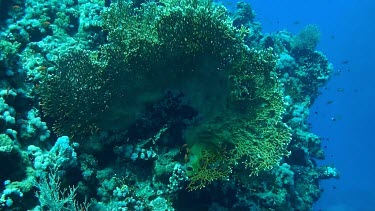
75 95
307 39
190 46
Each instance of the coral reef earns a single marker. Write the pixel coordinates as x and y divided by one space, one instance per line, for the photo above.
164 105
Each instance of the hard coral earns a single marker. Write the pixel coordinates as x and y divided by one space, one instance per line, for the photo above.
75 95
190 46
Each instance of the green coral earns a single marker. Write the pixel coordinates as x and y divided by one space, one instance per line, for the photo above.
250 129
307 39
75 96
6 144
190 46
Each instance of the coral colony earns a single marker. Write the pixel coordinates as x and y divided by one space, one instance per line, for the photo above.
156 105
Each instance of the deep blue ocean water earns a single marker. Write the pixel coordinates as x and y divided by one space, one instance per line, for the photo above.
348 123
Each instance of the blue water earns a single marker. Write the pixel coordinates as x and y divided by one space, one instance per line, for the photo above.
348 32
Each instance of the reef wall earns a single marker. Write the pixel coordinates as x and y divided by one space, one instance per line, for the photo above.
164 105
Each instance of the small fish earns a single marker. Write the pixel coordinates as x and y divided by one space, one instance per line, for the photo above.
16 7
336 117
345 61
332 37
329 102
340 89
296 22
229 3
